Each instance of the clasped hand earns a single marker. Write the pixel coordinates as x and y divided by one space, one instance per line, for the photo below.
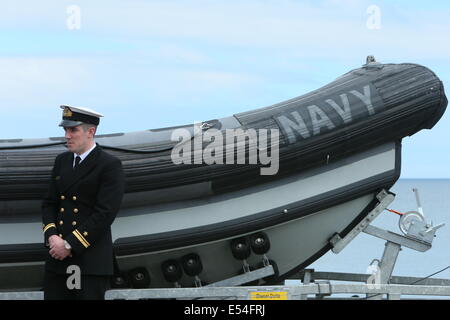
57 249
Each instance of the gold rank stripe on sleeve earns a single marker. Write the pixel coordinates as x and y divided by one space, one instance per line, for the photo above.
50 225
80 238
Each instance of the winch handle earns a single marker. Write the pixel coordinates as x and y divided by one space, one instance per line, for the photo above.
419 205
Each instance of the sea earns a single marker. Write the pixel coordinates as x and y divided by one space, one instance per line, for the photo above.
434 195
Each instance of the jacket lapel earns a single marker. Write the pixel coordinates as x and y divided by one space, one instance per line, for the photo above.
70 176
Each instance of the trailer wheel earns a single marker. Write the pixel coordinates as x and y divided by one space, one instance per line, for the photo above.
172 270
192 264
139 278
240 248
119 281
260 243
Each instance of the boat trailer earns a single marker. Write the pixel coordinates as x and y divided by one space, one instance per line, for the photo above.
381 284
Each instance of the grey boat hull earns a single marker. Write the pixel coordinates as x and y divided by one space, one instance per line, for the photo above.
299 214
338 147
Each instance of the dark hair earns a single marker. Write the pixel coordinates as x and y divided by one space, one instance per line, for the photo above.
86 127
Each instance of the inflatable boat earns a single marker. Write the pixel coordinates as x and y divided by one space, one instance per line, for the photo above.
205 202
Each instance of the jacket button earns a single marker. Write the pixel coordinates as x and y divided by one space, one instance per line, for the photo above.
85 234
74 223
63 198
61 210
75 210
74 198
61 222
60 235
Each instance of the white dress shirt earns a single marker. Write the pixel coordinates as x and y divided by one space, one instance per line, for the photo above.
84 155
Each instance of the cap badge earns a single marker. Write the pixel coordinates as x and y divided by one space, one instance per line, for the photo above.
67 112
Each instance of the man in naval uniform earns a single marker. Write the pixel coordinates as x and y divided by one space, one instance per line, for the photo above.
84 196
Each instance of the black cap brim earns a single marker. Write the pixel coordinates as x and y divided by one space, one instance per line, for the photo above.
70 123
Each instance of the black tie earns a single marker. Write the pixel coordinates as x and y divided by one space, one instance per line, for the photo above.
77 162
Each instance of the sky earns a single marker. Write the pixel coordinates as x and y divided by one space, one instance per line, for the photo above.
154 64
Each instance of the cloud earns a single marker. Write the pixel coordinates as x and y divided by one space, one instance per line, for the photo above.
178 54
334 29
139 95
28 79
28 82
310 28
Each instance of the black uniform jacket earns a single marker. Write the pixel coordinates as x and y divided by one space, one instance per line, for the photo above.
80 207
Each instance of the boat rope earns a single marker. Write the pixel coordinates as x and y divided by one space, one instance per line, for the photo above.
136 151
32 146
36 146
447 267
396 212
412 283
204 127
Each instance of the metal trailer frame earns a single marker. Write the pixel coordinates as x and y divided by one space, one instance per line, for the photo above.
377 286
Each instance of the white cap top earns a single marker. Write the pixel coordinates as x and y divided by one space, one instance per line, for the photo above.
83 110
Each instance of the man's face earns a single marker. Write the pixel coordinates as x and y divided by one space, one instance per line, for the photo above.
78 140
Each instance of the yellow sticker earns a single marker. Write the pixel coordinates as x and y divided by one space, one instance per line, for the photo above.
274 295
